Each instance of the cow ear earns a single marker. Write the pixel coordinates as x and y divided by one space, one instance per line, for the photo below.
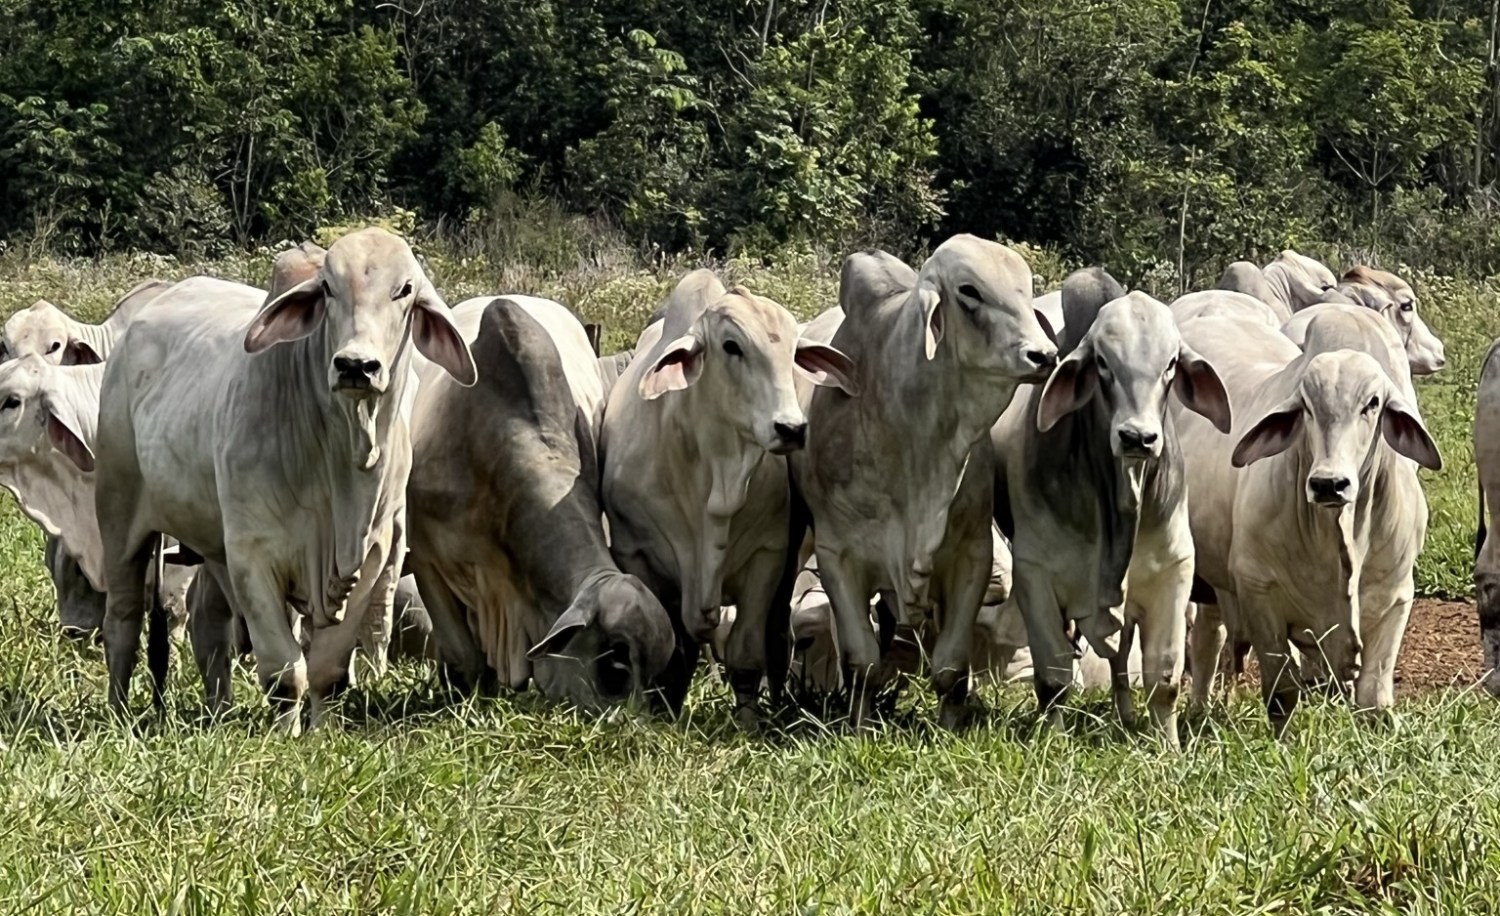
438 338
679 366
826 366
932 315
1273 435
575 618
1069 387
1046 324
290 316
65 434
80 353
1200 389
1406 434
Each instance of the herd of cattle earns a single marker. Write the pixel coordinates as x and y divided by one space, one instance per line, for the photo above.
936 474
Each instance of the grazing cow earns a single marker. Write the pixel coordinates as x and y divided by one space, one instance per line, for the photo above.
1288 284
1486 547
272 440
506 522
899 480
694 483
47 331
1308 520
1089 477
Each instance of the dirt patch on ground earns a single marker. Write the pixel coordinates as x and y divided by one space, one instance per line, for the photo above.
1441 648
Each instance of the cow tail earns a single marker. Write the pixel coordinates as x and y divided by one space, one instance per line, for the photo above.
1483 532
158 635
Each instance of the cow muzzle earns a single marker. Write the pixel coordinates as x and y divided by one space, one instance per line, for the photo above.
358 377
1330 489
1037 361
1132 441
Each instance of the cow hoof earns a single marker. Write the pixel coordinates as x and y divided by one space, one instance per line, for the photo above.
748 719
957 715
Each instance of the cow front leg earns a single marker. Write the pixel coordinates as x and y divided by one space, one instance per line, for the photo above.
124 615
963 588
1163 636
746 652
1119 671
1279 675
261 597
1375 688
848 592
1207 643
1051 652
210 627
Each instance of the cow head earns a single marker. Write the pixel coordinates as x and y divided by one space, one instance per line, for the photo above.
367 295
1344 403
1308 281
978 293
609 644
743 349
1130 358
1394 298
37 420
44 330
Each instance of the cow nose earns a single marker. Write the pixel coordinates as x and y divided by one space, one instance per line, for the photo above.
1136 440
353 366
1329 490
791 433
1042 359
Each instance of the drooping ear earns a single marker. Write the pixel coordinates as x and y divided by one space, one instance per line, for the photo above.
932 315
1070 386
826 366
438 338
65 435
563 630
1406 435
679 366
290 316
1200 389
79 353
1273 435
1047 328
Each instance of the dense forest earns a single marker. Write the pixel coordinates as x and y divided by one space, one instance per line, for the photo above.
1158 136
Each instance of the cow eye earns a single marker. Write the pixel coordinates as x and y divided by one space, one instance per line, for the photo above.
405 291
1373 405
56 345
11 403
326 290
1408 306
1101 364
732 348
968 291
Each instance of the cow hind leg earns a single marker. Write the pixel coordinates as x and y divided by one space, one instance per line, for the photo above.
1207 643
1119 672
1051 652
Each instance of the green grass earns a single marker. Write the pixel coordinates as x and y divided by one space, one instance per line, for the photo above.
416 805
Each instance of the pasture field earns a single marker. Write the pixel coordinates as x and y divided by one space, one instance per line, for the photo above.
415 804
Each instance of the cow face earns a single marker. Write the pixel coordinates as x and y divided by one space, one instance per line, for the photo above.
44 331
1344 401
1130 358
609 645
743 350
1394 298
1308 280
36 419
978 293
367 296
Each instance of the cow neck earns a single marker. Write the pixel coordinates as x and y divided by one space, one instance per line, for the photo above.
561 554
725 463
55 494
99 337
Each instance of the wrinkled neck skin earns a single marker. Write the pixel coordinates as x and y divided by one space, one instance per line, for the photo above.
957 406
723 463
55 494
100 337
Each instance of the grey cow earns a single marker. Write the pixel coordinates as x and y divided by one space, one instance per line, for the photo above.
899 480
1486 544
506 530
271 438
1090 486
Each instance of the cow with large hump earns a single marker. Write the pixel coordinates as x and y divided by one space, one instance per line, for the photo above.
270 438
695 482
1486 544
899 480
1089 477
1290 283
505 517
1308 519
